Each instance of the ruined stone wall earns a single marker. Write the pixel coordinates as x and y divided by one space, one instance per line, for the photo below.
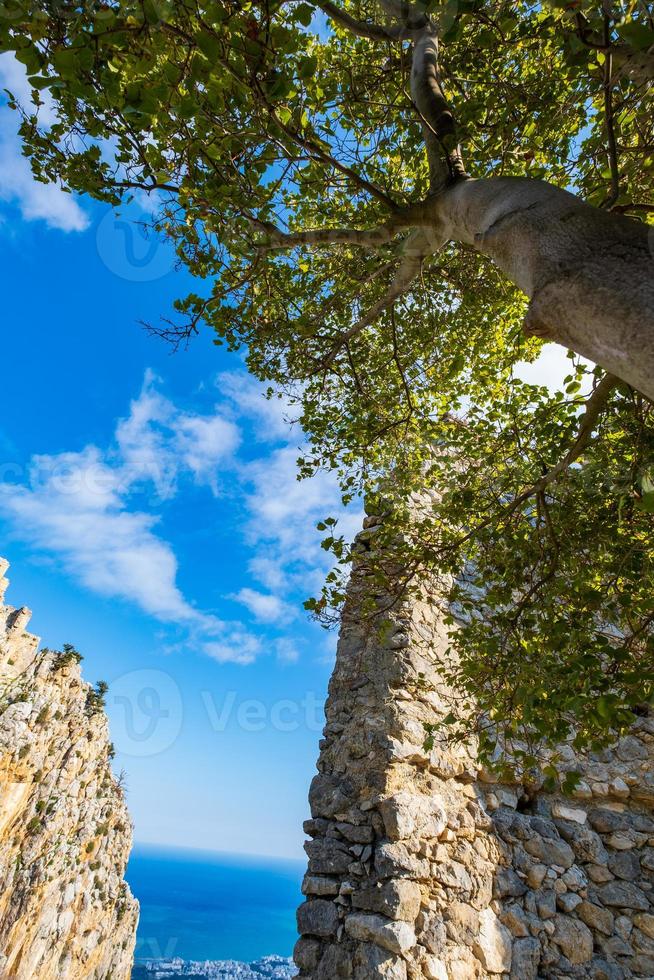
65 833
421 868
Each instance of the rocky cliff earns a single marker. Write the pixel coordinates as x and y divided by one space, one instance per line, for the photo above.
65 834
420 866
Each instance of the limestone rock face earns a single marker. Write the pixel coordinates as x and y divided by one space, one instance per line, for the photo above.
65 833
435 870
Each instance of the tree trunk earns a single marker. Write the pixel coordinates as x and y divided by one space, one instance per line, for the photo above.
589 274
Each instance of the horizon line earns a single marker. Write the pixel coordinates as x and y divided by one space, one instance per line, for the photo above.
215 853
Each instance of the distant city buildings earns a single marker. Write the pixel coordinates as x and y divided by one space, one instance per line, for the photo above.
269 968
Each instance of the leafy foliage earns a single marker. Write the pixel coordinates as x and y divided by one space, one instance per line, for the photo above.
253 122
69 655
95 698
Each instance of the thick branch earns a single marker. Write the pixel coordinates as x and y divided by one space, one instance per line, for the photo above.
410 15
437 119
375 32
372 238
633 206
608 120
589 273
402 218
638 65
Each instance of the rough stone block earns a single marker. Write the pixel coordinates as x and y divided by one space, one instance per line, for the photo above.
493 944
526 957
434 969
406 814
461 922
329 795
399 899
550 852
508 884
623 894
327 856
574 939
373 963
645 923
398 937
319 885
307 953
317 917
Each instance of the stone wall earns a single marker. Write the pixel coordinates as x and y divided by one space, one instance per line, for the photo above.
419 867
65 833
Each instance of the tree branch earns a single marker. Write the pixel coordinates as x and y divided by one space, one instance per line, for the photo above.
409 14
587 423
417 248
622 208
438 124
317 151
374 32
608 119
371 238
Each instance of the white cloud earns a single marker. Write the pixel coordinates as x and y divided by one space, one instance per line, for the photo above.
94 511
36 201
239 647
265 607
285 510
550 368
283 513
204 443
286 650
267 570
274 419
77 506
73 508
157 441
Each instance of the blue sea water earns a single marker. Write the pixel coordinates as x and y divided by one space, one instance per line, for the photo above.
206 906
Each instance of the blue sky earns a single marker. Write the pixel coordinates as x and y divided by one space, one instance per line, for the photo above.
150 511
151 514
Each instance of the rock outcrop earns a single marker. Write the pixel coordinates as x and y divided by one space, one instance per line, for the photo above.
420 866
65 834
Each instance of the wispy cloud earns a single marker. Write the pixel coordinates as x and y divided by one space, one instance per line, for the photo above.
239 647
98 512
286 650
265 607
158 442
273 419
78 506
36 201
282 510
283 516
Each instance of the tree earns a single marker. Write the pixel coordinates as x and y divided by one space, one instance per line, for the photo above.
95 698
370 189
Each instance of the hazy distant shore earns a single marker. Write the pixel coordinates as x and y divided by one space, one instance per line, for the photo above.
268 968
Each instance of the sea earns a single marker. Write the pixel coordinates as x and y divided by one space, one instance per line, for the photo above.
214 909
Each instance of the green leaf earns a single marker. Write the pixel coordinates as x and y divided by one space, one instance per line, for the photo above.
304 14
307 67
637 34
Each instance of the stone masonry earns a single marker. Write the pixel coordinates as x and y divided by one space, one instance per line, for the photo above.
65 835
420 866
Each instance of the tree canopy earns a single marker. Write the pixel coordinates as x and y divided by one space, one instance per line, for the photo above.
376 200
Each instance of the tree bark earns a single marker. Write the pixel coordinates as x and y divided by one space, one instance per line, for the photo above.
588 273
